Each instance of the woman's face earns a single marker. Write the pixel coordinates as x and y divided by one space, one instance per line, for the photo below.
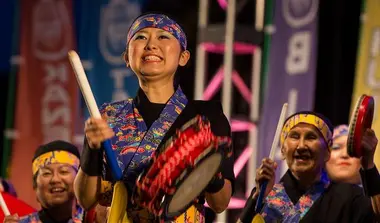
154 54
305 150
341 167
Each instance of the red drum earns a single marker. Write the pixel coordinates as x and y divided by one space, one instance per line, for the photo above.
361 120
181 169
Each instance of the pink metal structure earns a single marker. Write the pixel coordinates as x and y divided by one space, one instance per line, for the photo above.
226 76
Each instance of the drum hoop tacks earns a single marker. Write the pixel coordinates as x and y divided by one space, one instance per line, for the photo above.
175 161
361 119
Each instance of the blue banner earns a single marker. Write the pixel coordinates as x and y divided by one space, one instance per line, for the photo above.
103 29
292 69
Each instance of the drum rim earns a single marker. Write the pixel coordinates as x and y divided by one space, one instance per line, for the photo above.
351 128
167 198
188 170
364 110
163 147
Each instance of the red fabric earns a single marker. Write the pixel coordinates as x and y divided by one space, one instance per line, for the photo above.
47 99
90 216
363 121
188 148
15 206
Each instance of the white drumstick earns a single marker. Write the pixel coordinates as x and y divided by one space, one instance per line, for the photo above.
83 84
4 206
280 123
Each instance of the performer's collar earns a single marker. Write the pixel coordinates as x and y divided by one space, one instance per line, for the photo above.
288 176
293 187
142 100
46 216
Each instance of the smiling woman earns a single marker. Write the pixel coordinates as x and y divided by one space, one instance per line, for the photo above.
142 130
305 193
154 55
305 151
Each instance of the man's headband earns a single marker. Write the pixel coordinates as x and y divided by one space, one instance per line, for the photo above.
307 118
59 156
159 21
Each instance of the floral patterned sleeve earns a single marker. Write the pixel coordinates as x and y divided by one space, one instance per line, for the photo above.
106 184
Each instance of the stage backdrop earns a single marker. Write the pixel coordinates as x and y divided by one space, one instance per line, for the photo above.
103 29
292 68
11 88
47 93
6 16
367 80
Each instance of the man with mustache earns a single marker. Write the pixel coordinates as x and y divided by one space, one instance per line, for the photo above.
55 166
305 193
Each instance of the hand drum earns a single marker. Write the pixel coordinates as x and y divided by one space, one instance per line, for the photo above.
361 120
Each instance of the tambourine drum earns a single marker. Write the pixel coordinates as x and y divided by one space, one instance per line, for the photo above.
361 119
181 169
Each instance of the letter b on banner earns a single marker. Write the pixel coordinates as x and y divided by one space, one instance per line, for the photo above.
297 60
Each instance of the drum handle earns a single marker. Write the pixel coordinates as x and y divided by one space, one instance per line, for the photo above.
263 186
94 111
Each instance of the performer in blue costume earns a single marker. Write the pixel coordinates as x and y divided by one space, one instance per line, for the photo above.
54 167
156 45
305 193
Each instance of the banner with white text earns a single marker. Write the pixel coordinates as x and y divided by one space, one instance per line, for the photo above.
291 69
103 30
367 80
47 92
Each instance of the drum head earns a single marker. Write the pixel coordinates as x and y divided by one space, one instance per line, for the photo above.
361 120
193 184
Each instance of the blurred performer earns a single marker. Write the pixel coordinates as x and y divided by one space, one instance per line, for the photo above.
156 46
14 205
341 167
305 194
7 187
55 166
